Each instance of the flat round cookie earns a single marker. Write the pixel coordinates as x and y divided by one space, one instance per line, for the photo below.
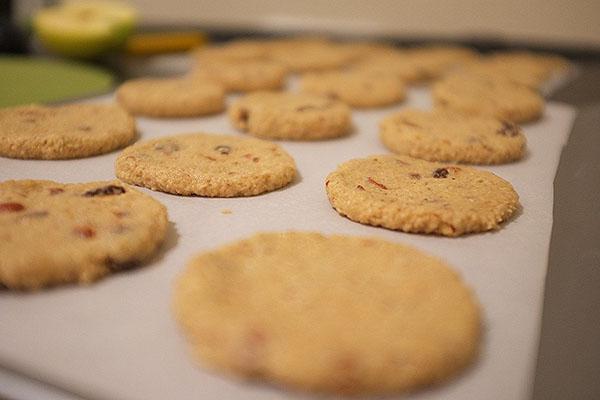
242 76
396 62
434 61
530 75
316 55
484 95
360 89
444 135
411 195
328 313
280 115
206 165
53 233
62 132
171 97
369 48
234 50
546 64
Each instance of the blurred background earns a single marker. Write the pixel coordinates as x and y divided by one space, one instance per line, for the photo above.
549 23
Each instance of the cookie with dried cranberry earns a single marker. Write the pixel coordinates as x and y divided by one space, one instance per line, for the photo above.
480 94
444 135
53 233
62 132
208 165
359 89
411 195
292 116
379 317
171 97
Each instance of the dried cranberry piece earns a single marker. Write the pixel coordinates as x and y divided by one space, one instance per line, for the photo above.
508 129
244 115
374 182
85 231
11 207
440 173
109 190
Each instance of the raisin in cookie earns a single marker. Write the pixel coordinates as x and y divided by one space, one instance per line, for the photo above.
476 94
411 195
171 97
379 317
444 135
61 132
52 233
360 89
278 115
206 165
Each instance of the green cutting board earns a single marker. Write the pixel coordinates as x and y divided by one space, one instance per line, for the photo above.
25 80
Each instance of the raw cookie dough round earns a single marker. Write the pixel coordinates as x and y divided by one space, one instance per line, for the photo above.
360 89
475 94
411 195
54 233
206 165
444 135
62 132
280 115
328 313
171 97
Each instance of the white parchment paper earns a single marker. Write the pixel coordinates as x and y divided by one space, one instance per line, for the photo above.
117 340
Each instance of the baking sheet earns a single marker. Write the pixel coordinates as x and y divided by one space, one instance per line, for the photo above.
117 339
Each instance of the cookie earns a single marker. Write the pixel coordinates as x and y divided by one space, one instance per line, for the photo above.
61 132
206 165
328 313
548 63
484 95
315 55
434 61
396 62
242 76
171 97
369 49
411 195
528 75
54 233
444 135
279 115
360 89
234 50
